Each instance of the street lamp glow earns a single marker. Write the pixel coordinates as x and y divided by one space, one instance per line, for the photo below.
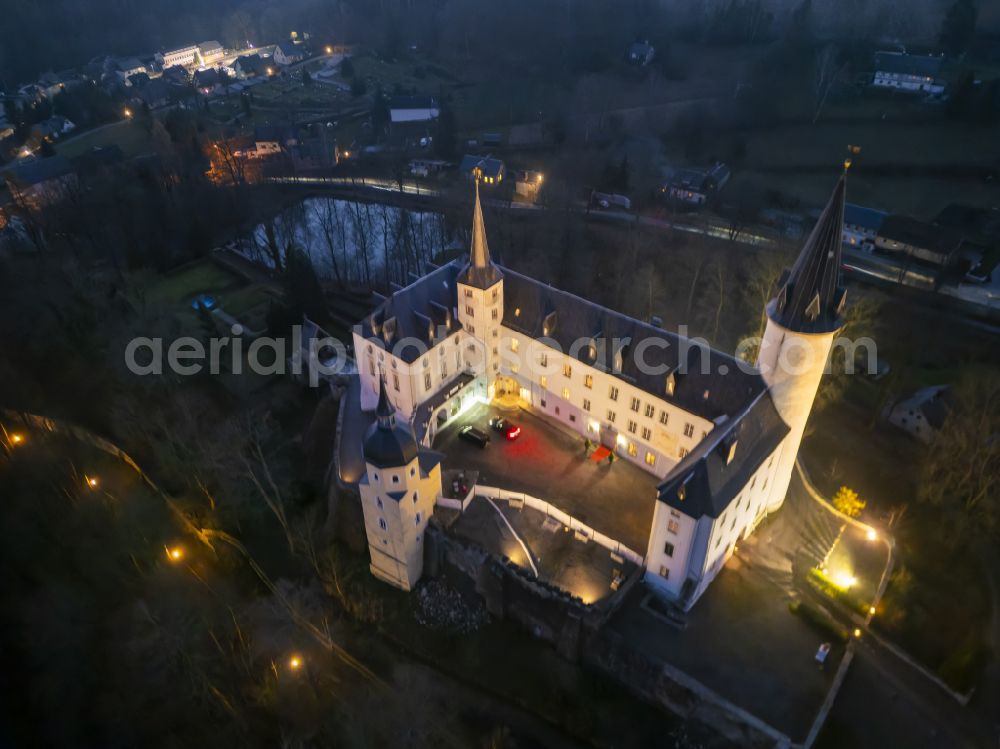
871 535
857 632
175 553
92 481
295 663
871 610
16 439
329 50
128 113
845 580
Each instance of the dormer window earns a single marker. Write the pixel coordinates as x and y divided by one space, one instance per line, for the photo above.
549 326
682 492
517 312
671 384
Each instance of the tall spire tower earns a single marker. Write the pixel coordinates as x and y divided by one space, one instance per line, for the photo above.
802 321
480 299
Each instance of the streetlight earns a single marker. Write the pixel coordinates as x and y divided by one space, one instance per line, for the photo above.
329 49
92 481
857 632
174 553
871 535
128 114
16 439
295 662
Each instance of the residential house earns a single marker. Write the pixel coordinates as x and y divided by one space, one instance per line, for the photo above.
157 93
175 74
270 141
904 72
527 184
206 80
51 129
125 67
413 109
927 243
54 83
210 53
250 66
286 54
484 168
861 225
696 187
922 414
186 56
38 182
640 53
137 80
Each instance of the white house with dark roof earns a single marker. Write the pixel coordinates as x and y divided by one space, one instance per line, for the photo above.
904 72
720 436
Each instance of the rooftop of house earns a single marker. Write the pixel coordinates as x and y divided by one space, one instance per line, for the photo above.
487 165
859 215
210 47
38 171
926 66
416 101
206 77
910 231
249 62
718 468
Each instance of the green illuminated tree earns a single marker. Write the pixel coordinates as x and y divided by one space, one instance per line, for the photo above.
846 500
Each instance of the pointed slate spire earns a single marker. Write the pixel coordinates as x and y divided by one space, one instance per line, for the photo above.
810 297
480 271
387 443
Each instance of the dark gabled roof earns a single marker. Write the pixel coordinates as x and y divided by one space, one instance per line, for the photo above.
902 63
413 102
488 166
206 77
249 63
719 466
388 443
706 382
916 233
810 297
479 272
415 312
38 171
859 215
175 72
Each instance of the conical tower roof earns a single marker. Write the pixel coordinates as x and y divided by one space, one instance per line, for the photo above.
388 444
810 296
480 270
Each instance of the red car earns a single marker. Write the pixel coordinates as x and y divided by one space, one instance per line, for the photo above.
506 428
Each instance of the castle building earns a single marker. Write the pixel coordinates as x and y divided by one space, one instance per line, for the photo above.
719 435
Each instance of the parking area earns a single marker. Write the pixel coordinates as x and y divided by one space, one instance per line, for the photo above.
548 461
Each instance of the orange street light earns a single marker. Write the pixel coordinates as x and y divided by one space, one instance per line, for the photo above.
857 632
92 481
329 50
128 114
16 439
871 535
174 553
295 662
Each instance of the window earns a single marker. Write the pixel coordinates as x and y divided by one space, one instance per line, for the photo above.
611 416
588 381
496 333
650 410
668 549
567 370
468 293
673 526
682 452
650 458
495 313
646 433
517 312
688 430
543 403
378 502
613 393
395 381
416 520
664 417
381 524
414 497
632 426
496 294
664 572
634 405
427 380
586 404
733 524
671 384
632 449
371 366
395 479
471 329
543 382
470 311
514 343
544 359
565 394
572 417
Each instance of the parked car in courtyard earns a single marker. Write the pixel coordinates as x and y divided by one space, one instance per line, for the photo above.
507 428
475 436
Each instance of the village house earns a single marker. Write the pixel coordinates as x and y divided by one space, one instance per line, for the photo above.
206 80
527 184
38 182
250 66
904 72
413 109
175 74
287 54
186 56
486 169
861 226
640 53
51 129
904 236
696 187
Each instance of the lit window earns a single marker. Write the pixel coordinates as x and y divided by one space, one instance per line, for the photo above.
650 458
664 572
632 449
543 382
673 526
567 370
566 394
588 381
514 343
682 452
468 293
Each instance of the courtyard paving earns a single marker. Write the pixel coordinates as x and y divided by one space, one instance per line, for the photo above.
583 569
548 462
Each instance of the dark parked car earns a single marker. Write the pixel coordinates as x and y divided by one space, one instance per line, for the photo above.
506 428
475 436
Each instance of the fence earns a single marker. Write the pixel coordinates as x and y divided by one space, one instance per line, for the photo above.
550 510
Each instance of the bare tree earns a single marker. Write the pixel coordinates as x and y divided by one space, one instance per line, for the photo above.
827 70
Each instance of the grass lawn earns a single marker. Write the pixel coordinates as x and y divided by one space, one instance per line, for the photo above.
130 137
201 276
